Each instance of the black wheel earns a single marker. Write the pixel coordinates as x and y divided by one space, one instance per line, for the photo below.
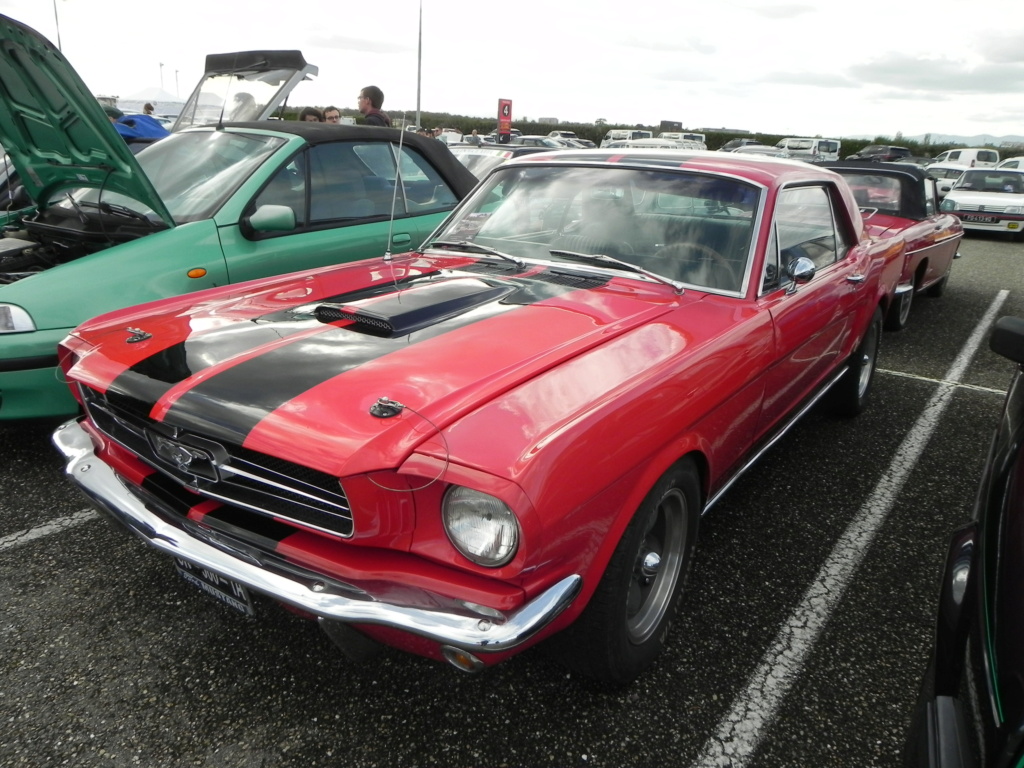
899 312
625 624
849 395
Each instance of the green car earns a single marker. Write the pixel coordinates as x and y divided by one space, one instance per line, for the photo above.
94 227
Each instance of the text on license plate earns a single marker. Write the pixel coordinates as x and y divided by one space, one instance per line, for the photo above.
229 592
980 219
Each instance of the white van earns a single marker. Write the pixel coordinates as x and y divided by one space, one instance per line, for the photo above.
625 134
971 157
684 136
811 150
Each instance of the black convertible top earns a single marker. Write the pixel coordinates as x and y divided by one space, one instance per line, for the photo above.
454 173
912 180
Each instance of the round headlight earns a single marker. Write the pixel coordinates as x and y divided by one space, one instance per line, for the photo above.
480 526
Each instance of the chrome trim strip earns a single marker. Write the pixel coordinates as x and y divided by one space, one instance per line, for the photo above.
775 438
474 633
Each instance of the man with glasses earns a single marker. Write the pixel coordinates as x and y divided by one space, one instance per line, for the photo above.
332 115
370 100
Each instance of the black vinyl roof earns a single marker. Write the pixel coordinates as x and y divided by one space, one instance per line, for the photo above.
453 172
912 180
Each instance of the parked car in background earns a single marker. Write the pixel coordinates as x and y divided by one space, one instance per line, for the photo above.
901 201
540 141
880 153
692 140
988 200
945 176
619 134
923 162
563 135
970 711
203 207
811 150
972 157
760 150
507 436
732 144
649 144
481 158
1011 162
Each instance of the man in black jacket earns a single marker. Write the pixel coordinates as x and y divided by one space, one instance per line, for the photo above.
371 98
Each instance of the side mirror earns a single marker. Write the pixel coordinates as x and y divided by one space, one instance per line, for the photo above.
800 270
272 218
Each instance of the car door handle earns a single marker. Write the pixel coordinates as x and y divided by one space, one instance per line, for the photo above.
856 278
401 239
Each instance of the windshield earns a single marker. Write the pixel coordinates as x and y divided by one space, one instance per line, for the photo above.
991 180
480 161
233 97
692 228
194 173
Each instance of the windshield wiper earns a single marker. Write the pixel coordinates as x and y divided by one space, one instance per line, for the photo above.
465 245
124 211
82 217
600 258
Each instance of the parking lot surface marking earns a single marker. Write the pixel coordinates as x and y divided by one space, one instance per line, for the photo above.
740 731
59 525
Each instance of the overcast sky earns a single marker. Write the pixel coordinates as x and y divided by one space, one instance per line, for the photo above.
796 68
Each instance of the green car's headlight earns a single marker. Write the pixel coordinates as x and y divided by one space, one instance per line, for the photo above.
480 526
947 205
14 319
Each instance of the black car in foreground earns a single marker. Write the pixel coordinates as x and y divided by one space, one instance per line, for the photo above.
971 708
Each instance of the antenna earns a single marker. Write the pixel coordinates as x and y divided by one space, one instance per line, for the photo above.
394 194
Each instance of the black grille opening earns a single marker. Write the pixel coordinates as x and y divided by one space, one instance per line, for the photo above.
246 478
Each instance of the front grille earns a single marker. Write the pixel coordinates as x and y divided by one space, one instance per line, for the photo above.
975 208
243 477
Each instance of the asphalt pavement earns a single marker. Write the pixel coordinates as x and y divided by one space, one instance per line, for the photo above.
801 642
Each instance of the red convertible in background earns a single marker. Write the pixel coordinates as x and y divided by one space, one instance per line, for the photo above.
507 434
901 200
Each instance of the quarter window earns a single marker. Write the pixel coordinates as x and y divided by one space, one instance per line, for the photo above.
805 226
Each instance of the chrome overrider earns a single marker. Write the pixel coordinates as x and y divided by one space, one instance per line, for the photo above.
462 625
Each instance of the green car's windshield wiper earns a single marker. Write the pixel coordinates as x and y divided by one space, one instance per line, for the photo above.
465 245
600 258
122 210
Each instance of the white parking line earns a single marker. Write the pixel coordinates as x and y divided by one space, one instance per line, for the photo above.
740 731
54 526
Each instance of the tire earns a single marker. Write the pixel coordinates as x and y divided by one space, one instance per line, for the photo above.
624 626
850 394
935 290
899 313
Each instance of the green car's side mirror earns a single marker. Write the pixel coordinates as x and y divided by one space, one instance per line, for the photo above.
272 218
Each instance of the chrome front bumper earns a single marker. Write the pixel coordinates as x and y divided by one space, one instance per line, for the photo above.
473 628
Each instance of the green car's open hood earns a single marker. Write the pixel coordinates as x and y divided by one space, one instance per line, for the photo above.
54 129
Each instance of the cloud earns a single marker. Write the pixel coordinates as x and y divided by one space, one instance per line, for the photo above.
1007 49
784 11
815 79
943 76
336 42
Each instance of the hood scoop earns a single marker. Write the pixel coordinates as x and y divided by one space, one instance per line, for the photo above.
411 310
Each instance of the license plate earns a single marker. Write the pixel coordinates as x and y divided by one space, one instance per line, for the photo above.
980 219
229 592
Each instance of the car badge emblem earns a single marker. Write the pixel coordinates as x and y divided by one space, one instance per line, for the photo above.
188 459
137 335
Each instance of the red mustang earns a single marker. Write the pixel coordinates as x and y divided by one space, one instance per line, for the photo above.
507 434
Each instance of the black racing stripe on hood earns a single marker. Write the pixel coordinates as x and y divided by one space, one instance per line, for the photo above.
229 405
